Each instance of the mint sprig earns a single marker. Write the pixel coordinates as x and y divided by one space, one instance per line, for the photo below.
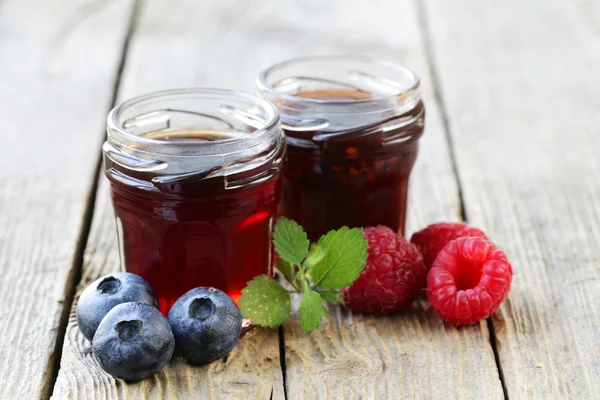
317 272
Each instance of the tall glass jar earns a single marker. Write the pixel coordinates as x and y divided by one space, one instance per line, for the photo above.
194 179
352 125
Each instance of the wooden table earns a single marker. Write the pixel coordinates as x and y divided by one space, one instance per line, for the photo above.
512 90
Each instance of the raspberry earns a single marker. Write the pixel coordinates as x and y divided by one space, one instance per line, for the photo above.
468 280
393 276
432 239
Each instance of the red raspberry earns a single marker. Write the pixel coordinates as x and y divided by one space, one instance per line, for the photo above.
393 276
432 239
468 280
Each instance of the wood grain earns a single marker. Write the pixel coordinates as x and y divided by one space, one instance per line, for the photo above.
412 355
59 62
174 44
520 81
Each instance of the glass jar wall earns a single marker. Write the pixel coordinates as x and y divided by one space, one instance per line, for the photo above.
352 125
195 186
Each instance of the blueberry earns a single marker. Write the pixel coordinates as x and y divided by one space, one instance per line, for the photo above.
206 324
134 341
105 293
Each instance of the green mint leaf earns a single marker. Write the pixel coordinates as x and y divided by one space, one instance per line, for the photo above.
346 255
287 270
265 302
290 241
331 296
311 311
314 256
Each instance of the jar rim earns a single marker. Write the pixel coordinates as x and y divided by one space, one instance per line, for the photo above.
115 126
264 86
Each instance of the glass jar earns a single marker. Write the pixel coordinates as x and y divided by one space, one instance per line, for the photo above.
194 179
352 125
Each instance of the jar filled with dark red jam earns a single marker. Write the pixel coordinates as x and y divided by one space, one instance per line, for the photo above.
194 179
352 125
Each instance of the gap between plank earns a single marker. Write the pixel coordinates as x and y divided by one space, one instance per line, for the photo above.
429 53
490 326
427 44
281 334
76 271
282 361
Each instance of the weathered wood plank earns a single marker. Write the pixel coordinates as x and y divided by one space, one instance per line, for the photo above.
412 355
520 81
176 44
59 62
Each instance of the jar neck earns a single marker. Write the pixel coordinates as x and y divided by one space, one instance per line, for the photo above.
230 131
339 93
343 116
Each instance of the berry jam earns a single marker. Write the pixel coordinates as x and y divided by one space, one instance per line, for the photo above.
205 228
356 178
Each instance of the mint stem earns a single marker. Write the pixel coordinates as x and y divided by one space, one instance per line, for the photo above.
305 287
295 287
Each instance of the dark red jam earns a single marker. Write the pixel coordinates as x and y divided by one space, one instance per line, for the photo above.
195 229
356 178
